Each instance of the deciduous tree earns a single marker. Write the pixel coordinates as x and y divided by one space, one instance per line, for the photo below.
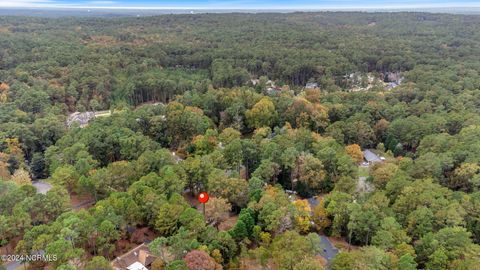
355 152
217 210
262 114
199 260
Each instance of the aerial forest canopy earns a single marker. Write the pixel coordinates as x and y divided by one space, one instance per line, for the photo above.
128 119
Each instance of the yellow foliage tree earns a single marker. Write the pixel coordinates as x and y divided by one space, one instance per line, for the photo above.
320 217
302 215
229 134
265 238
204 144
261 133
14 146
303 113
21 177
217 256
382 173
355 152
14 149
262 114
313 95
158 264
3 92
465 177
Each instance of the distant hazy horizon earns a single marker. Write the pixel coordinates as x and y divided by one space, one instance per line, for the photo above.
300 5
113 12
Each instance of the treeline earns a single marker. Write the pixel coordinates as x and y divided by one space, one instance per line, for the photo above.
92 64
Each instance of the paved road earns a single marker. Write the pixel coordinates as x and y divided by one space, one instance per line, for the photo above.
313 201
14 266
327 249
43 188
19 265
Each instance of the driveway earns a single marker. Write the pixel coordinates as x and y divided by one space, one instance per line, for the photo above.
42 187
327 249
14 265
363 186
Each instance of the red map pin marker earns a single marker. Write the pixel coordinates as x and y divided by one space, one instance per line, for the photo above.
203 197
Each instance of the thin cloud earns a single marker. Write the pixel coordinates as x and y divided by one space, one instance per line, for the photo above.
102 2
25 3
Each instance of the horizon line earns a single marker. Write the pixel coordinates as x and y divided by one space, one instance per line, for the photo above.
247 8
298 8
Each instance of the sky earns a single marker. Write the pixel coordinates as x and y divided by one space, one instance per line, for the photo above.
238 4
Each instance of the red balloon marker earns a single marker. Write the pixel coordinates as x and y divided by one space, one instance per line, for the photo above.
203 197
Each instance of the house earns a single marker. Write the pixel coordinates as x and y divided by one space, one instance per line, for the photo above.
137 266
138 258
81 119
311 85
274 90
371 157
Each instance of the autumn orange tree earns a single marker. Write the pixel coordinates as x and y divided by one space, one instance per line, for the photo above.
355 152
3 92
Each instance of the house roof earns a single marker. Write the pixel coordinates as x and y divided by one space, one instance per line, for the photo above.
370 156
81 118
137 266
139 256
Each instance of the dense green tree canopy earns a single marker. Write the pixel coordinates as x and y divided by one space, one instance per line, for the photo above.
180 104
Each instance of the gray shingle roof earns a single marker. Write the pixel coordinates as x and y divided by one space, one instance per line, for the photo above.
370 156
